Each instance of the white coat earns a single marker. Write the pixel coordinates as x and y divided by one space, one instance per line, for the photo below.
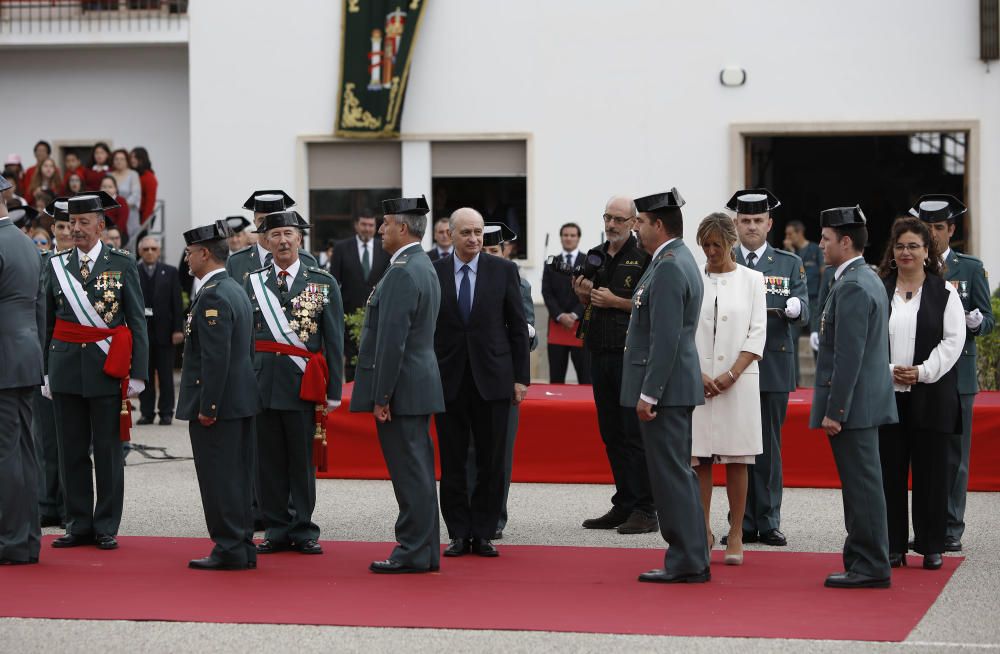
733 319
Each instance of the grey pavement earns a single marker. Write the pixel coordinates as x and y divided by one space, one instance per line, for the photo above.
161 499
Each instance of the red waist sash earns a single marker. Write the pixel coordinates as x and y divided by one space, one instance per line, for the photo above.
317 374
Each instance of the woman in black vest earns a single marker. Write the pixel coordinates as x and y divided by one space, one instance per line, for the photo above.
926 336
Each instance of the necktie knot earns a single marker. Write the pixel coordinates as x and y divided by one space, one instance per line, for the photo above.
752 259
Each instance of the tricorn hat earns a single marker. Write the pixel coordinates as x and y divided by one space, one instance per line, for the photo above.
938 207
753 201
214 232
269 201
842 217
415 206
96 202
277 219
23 216
237 223
496 234
670 200
59 209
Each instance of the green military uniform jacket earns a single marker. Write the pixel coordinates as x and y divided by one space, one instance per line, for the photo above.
315 311
218 354
825 282
661 360
784 277
529 310
113 289
396 361
967 275
812 262
853 381
240 264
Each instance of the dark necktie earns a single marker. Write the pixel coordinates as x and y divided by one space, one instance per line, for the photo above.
366 263
752 260
283 283
267 259
465 295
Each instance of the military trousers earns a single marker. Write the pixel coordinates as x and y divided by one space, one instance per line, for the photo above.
764 486
51 502
20 534
286 474
959 450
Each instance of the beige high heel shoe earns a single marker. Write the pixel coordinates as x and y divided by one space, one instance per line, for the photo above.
733 559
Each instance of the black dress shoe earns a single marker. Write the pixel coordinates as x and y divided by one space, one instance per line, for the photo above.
855 580
106 542
166 421
18 562
268 546
610 520
144 420
310 546
390 567
748 537
932 561
50 521
952 544
774 538
208 563
897 560
498 534
73 540
483 547
457 547
660 576
639 522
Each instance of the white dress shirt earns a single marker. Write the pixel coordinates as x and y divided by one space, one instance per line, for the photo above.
198 283
759 252
91 255
292 271
473 272
362 246
903 334
262 253
842 267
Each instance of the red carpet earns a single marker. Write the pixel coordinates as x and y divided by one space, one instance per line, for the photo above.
576 589
558 442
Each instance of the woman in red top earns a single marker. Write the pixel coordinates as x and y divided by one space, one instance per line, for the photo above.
74 185
43 151
139 159
46 177
119 216
100 161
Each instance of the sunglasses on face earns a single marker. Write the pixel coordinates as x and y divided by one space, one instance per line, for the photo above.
41 242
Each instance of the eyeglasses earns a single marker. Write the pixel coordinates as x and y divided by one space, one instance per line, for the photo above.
40 242
618 220
909 247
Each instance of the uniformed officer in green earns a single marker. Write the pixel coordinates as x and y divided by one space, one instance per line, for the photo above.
812 260
825 282
661 380
967 275
854 394
399 382
218 398
254 257
298 324
787 310
92 287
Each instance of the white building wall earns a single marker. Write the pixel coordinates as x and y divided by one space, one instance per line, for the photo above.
128 95
619 97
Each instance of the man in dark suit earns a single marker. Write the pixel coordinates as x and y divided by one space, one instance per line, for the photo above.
565 310
22 322
219 400
481 342
442 240
161 290
358 264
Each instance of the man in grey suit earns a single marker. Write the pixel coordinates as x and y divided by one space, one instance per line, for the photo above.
661 379
398 381
854 394
22 322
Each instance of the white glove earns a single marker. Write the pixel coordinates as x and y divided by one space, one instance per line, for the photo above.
973 319
135 386
793 307
531 331
332 405
814 341
46 391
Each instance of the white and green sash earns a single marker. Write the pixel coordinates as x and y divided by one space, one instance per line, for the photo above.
275 318
76 297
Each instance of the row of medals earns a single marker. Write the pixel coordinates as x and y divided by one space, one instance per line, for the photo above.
306 306
108 305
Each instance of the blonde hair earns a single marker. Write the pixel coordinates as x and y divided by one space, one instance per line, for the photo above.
721 224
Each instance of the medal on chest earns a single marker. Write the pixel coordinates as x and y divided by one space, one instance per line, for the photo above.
778 285
108 284
637 298
306 306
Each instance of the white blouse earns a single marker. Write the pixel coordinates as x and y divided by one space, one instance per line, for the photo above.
903 335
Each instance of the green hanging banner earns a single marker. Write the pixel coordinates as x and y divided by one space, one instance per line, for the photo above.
377 38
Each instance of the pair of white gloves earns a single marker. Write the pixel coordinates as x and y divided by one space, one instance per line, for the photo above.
135 386
972 320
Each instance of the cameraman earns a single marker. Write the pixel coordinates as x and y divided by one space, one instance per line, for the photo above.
608 298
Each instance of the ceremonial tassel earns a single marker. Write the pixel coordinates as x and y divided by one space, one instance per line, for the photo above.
319 438
125 419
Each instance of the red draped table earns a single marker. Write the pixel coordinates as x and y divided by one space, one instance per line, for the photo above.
558 442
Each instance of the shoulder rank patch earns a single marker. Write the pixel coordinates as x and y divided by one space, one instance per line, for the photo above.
211 313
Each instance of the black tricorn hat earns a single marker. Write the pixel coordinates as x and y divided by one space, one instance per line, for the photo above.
753 201
277 219
496 234
670 200
269 201
214 232
58 209
23 216
96 202
237 223
938 207
4 183
842 217
415 206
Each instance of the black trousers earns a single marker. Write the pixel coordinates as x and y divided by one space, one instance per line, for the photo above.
51 503
20 534
350 351
161 371
902 447
223 459
77 418
620 432
286 474
470 418
559 356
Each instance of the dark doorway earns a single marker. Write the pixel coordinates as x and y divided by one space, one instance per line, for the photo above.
884 173
499 199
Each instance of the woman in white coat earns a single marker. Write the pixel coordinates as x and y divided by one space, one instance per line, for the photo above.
730 340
